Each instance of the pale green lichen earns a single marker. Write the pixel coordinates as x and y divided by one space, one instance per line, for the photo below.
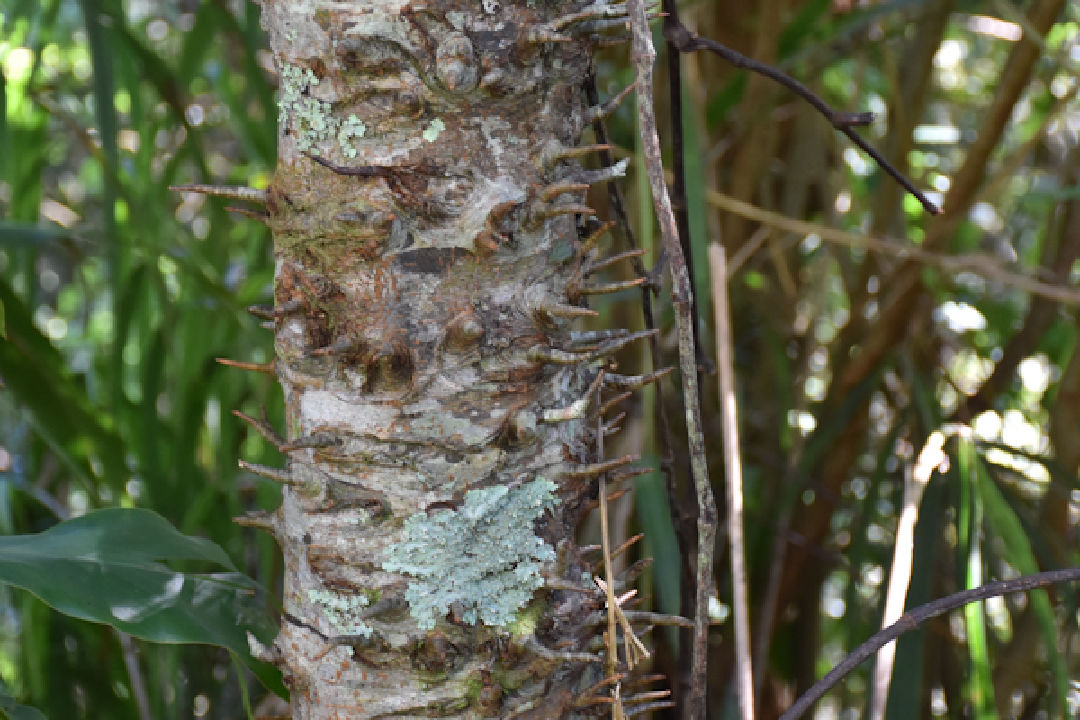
485 556
353 127
312 119
433 129
525 620
343 611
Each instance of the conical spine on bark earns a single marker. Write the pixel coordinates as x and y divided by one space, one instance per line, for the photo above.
428 252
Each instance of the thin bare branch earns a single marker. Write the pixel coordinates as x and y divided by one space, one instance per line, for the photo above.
900 571
686 41
643 56
912 619
744 674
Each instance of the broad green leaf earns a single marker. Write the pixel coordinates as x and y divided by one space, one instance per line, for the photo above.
107 567
21 234
1002 519
804 23
981 684
11 710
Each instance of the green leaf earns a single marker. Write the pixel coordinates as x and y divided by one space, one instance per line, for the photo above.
805 22
1001 517
107 567
980 688
15 234
11 710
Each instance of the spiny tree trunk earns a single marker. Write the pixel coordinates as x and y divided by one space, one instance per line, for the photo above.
424 292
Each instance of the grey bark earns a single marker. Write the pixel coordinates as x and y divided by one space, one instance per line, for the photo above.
437 463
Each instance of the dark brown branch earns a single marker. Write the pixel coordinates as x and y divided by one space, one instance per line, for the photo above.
678 36
914 618
678 188
370 171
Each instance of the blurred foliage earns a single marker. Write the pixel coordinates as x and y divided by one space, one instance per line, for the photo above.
850 361
117 295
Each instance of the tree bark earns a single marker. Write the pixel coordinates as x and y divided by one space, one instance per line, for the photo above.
429 237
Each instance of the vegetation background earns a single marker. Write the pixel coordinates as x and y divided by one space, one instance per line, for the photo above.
117 295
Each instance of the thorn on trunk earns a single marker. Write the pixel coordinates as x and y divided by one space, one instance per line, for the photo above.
646 697
236 192
595 11
260 520
574 411
556 310
341 346
464 330
556 189
596 687
649 708
629 543
485 243
579 408
590 240
630 575
255 215
611 498
611 287
534 645
635 382
592 177
602 111
269 312
544 35
612 426
591 470
611 347
278 475
582 151
310 441
263 428
538 217
265 368
551 356
612 402
609 261
628 474
267 653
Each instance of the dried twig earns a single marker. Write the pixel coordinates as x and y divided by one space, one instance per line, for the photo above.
900 571
611 661
686 41
744 674
976 263
916 617
643 56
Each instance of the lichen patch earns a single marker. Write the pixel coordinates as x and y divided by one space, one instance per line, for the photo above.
431 132
311 119
484 557
344 612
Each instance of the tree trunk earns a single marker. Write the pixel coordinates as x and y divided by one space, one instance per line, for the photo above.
429 239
